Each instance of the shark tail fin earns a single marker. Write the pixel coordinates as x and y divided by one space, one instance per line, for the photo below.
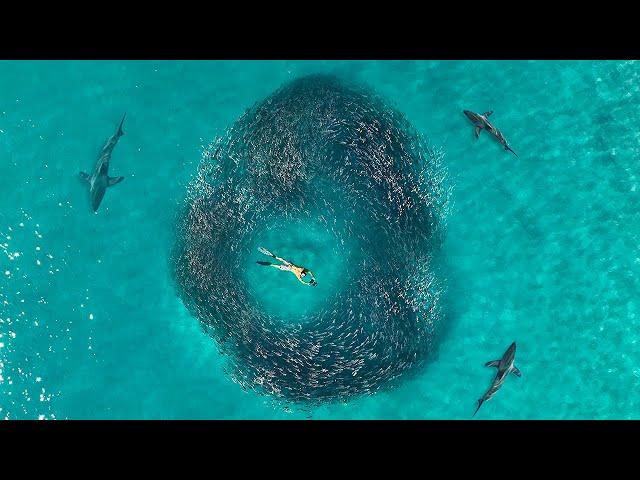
85 176
114 181
120 133
480 402
507 147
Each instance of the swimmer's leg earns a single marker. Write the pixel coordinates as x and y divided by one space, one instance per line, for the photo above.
288 264
269 264
264 251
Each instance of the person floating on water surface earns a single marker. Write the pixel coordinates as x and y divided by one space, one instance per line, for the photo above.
299 272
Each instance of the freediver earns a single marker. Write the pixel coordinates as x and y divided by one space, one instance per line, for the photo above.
299 272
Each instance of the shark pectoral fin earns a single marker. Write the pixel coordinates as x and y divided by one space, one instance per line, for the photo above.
114 180
85 176
486 114
516 371
492 363
478 128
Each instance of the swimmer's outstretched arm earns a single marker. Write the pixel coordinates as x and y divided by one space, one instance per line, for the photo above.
303 282
310 283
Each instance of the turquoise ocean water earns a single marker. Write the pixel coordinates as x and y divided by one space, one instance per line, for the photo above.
541 249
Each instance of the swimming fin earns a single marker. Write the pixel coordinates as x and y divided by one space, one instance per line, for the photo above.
266 252
266 264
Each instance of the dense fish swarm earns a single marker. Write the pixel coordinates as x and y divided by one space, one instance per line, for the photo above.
335 154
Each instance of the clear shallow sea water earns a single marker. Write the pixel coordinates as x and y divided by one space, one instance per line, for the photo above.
540 248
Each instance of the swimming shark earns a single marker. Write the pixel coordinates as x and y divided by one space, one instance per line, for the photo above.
100 180
505 366
482 121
